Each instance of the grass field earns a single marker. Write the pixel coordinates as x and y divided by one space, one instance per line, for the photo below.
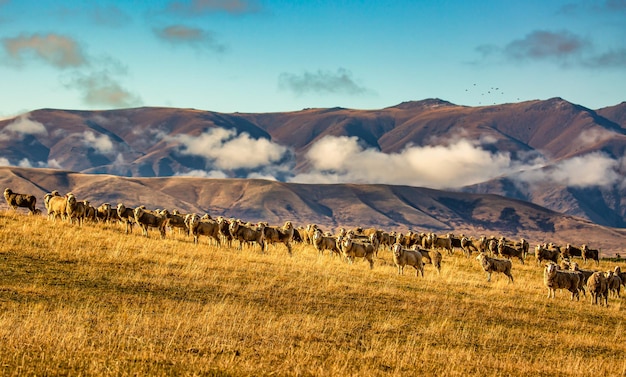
93 301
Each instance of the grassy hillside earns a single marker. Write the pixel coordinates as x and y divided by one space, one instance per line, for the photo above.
93 301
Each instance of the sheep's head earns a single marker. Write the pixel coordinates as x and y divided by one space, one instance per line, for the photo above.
551 269
7 191
288 225
397 250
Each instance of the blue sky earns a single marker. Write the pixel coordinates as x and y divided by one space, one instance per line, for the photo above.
267 56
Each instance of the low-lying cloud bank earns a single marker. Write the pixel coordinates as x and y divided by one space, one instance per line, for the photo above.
222 153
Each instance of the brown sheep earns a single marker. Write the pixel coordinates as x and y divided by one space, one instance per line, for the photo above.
105 213
571 251
15 200
433 257
543 254
444 243
244 233
622 275
509 251
614 283
127 216
179 221
224 224
554 279
490 265
75 209
586 273
597 286
208 227
322 242
588 253
152 219
284 234
403 257
469 244
351 249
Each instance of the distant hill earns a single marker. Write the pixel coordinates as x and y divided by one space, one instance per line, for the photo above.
393 208
543 151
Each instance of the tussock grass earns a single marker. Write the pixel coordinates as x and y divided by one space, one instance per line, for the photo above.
93 301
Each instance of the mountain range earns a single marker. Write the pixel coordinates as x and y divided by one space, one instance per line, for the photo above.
558 155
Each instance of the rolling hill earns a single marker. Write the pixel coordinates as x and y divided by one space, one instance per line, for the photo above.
398 208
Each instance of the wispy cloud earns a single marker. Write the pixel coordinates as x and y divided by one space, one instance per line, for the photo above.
190 36
561 47
102 89
542 44
57 50
201 7
321 82
107 15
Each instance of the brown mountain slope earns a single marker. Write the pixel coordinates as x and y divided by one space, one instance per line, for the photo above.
389 207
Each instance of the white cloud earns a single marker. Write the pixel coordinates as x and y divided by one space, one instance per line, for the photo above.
462 163
342 159
4 161
227 150
21 126
101 142
593 169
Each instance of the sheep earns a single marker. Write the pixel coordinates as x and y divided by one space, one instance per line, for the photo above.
490 265
351 249
15 200
586 273
510 251
542 253
597 286
48 196
433 257
105 212
554 279
588 253
613 282
90 211
207 227
177 220
403 257
322 242
127 216
444 243
622 275
75 209
57 206
310 229
469 244
284 234
223 224
571 251
244 233
153 219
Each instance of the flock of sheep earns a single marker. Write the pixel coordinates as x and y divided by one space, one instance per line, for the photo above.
410 249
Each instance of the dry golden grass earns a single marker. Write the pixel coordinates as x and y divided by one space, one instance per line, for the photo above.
93 301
